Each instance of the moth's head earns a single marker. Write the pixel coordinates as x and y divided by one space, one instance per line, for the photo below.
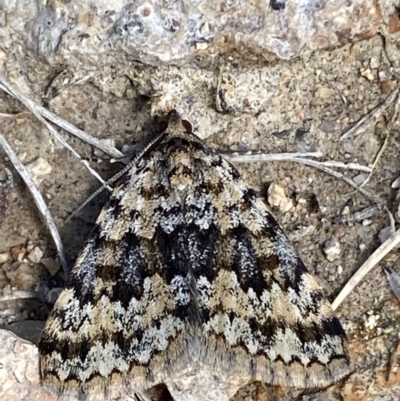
173 124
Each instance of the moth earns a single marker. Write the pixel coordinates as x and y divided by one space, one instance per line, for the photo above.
188 280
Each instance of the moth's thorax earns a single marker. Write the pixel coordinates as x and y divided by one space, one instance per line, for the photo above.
175 127
181 175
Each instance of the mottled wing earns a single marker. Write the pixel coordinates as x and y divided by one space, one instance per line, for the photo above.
260 300
261 314
186 267
122 307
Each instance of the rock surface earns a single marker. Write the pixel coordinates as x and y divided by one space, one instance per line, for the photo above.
103 32
19 374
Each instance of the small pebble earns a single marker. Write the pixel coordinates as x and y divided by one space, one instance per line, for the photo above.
35 255
278 199
396 183
374 63
301 133
38 169
201 45
28 329
285 134
384 234
388 86
17 251
7 290
394 280
348 145
367 73
371 321
4 257
332 249
346 210
25 282
25 278
360 178
323 93
52 295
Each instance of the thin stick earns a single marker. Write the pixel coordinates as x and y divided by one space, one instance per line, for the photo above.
272 157
347 166
18 295
336 174
358 216
386 141
118 175
370 114
391 220
67 126
15 115
369 264
340 176
38 198
262 157
266 157
394 280
30 105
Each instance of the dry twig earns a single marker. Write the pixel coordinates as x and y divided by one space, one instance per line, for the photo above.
357 216
369 264
266 157
67 126
299 159
340 176
394 280
18 295
30 105
38 198
378 108
278 157
386 141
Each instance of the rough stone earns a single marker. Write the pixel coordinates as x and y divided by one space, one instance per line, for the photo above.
180 31
4 257
332 249
19 373
38 169
278 199
18 252
396 183
35 255
360 178
52 295
25 277
385 233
